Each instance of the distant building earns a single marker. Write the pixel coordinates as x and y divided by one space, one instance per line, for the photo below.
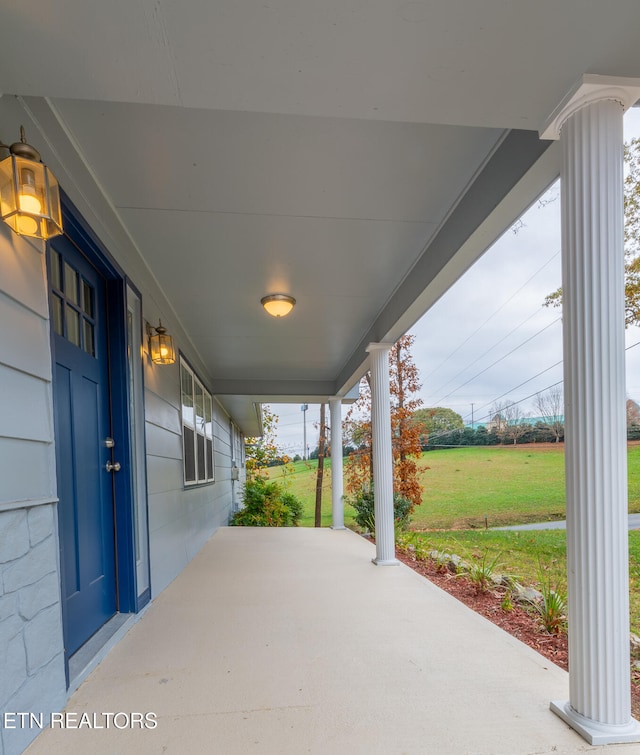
498 422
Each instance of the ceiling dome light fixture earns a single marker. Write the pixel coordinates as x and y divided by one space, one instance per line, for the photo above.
29 192
278 305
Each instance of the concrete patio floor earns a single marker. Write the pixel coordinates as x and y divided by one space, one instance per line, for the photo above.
281 641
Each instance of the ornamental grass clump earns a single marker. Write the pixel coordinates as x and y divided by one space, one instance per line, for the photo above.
267 504
479 573
552 606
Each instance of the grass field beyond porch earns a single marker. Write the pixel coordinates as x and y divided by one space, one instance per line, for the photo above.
462 486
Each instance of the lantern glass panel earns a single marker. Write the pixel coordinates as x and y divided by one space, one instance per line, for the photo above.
54 224
29 198
7 189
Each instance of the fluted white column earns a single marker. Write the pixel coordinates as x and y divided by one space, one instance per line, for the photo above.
382 454
337 487
599 705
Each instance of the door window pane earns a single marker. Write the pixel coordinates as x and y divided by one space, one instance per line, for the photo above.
56 277
89 340
70 283
58 320
73 325
87 299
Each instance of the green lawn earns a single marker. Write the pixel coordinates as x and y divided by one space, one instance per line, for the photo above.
462 486
505 484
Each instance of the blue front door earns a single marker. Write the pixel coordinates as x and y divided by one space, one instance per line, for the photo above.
78 298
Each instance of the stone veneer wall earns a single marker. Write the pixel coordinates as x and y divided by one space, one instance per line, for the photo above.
31 646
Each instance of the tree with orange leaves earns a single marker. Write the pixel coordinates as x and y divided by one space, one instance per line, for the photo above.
404 383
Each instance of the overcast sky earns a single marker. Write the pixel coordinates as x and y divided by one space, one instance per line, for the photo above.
489 338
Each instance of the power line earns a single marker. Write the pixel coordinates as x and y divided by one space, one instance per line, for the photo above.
493 401
521 384
559 382
488 351
546 327
500 308
526 398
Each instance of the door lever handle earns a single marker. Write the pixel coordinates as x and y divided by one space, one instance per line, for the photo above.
115 467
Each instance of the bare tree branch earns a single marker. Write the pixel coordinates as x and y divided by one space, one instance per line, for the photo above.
550 406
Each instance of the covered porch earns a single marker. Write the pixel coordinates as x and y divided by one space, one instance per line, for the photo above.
354 159
290 641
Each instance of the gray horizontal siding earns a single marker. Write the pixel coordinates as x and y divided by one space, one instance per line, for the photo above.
181 519
25 471
23 273
27 463
24 339
160 412
162 442
163 475
31 645
25 404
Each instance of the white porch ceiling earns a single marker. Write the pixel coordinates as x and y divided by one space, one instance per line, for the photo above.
357 154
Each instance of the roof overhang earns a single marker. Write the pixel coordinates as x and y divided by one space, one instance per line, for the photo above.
356 156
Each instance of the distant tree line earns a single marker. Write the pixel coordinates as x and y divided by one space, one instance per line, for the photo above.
441 427
444 427
480 436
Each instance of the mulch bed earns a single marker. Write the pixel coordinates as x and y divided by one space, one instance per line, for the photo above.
518 622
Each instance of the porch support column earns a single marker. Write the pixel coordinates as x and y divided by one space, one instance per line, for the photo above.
382 454
337 489
589 126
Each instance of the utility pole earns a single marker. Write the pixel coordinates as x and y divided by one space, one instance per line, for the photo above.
320 473
303 409
472 427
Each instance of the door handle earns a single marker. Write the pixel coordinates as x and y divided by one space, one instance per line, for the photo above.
115 467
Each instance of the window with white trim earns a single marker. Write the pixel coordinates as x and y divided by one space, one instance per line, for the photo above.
238 446
197 428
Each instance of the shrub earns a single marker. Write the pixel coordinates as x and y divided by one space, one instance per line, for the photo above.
365 516
266 504
294 505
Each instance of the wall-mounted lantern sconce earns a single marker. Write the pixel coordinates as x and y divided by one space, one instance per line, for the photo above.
278 305
160 345
29 192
